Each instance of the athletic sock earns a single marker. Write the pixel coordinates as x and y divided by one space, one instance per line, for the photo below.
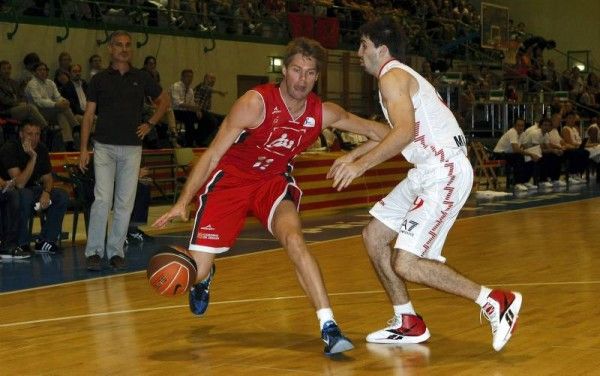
324 315
483 295
404 309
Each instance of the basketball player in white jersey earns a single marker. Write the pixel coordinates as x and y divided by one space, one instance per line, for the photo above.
419 211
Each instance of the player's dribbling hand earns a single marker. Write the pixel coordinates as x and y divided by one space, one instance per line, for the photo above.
175 212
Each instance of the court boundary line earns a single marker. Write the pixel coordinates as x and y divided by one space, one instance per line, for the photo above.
267 299
279 249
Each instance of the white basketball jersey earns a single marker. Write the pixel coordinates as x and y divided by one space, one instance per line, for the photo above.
437 134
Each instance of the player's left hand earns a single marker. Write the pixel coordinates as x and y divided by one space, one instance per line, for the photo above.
346 158
143 129
345 174
177 211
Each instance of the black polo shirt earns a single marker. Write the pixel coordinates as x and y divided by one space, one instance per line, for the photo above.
119 103
12 155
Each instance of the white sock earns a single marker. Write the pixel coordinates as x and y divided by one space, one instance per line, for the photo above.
403 309
324 315
483 295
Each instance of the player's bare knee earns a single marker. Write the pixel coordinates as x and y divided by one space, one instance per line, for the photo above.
293 242
370 236
405 264
374 240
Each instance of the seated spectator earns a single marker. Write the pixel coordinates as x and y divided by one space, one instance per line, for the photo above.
203 97
27 162
551 161
572 142
593 145
29 62
9 222
64 64
588 99
510 149
592 131
75 91
95 62
12 100
150 68
43 93
185 108
555 140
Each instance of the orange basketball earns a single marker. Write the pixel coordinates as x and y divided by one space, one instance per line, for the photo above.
171 272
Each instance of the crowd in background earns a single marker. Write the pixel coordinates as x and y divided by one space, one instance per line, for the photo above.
53 101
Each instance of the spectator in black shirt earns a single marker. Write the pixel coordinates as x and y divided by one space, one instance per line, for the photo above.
75 91
26 161
9 221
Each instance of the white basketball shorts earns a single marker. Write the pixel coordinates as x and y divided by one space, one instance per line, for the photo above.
424 206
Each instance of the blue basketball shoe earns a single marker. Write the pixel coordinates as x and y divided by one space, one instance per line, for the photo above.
335 341
200 294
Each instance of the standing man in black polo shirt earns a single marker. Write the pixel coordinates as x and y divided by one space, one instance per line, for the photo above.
117 94
27 163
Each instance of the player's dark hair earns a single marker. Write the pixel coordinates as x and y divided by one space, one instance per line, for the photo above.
388 32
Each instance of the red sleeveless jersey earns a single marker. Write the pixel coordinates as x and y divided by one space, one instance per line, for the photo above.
269 148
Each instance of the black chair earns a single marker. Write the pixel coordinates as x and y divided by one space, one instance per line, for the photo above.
83 189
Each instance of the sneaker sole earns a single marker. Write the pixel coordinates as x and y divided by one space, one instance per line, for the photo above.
341 346
403 340
10 257
514 308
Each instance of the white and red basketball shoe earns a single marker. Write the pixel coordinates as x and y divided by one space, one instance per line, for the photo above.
402 330
502 311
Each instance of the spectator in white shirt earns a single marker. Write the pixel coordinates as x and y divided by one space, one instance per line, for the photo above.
577 155
592 131
552 157
44 94
185 108
509 148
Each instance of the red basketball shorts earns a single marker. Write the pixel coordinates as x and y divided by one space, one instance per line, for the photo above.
225 201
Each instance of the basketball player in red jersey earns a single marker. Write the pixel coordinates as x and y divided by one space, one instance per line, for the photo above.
248 167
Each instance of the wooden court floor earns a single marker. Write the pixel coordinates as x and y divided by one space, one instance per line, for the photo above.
259 322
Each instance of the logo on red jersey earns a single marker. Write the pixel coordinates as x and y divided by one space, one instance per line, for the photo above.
276 110
309 122
285 138
282 142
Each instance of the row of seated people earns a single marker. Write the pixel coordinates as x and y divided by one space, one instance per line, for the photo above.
39 100
36 98
545 147
27 188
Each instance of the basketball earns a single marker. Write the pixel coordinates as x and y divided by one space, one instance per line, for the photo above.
171 272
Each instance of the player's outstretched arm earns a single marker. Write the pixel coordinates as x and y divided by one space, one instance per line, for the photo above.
336 117
395 87
246 112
